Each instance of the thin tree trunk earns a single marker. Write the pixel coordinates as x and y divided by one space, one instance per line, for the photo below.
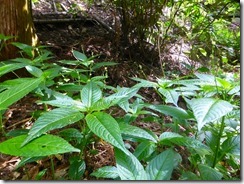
16 20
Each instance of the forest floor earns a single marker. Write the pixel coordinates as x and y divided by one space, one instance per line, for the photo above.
91 35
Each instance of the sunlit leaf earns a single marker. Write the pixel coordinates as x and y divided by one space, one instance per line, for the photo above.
106 172
43 146
8 67
171 95
189 176
208 173
103 64
128 166
161 167
232 145
122 95
90 94
15 93
24 47
209 109
106 127
54 119
144 150
76 169
70 134
169 138
34 71
171 111
79 56
64 101
134 131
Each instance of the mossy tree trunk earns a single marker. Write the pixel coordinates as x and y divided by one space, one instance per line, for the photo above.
16 20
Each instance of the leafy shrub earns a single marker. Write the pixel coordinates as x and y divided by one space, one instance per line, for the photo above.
210 118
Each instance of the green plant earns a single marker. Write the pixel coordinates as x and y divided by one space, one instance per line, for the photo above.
85 111
212 102
138 18
79 103
212 30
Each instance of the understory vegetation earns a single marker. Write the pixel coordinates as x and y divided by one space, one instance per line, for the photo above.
198 113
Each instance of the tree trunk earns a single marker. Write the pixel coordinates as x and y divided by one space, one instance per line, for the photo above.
16 20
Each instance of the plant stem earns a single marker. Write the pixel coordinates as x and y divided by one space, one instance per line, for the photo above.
218 142
1 126
52 168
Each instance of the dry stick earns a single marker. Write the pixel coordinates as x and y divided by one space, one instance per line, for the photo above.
54 20
1 125
63 7
20 122
54 6
107 27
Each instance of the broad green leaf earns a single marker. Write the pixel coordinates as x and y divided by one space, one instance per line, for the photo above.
40 174
70 134
8 67
210 79
144 150
145 83
189 176
232 145
76 169
122 95
169 138
101 104
106 127
90 94
43 146
168 135
15 93
212 138
26 160
12 82
235 90
129 167
34 71
5 38
64 101
188 82
69 87
224 83
82 57
164 83
171 95
98 80
175 112
208 173
119 97
70 62
203 51
52 72
161 167
134 131
79 56
17 132
103 64
106 172
24 47
54 119
44 56
207 110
